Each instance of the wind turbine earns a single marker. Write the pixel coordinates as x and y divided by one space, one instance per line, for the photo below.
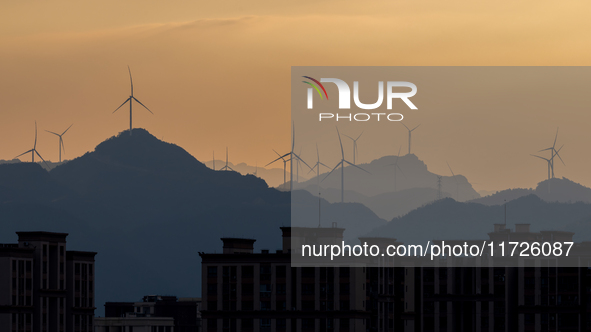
396 166
354 145
292 155
553 153
456 180
342 164
130 100
225 168
549 164
284 164
409 134
34 150
61 141
317 166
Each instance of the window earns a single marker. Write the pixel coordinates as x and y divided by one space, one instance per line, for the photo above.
212 305
265 305
247 305
246 324
212 271
308 324
247 271
212 324
343 272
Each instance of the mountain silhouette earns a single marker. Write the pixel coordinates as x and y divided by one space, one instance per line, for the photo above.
147 207
551 190
413 173
447 219
387 205
273 176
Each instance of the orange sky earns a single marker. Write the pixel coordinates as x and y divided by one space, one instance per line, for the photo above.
216 74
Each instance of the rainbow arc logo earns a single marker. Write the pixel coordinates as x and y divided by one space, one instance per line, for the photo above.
316 87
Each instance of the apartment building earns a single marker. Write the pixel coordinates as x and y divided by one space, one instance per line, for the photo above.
44 287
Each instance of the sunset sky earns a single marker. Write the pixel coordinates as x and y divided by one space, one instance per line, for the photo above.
217 73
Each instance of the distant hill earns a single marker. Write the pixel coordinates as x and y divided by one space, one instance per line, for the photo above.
354 217
148 207
380 179
553 190
387 205
50 164
447 219
273 176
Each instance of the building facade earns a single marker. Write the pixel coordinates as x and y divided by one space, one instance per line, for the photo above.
155 313
247 291
44 287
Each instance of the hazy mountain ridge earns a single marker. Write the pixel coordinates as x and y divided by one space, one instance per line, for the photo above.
448 219
414 187
552 190
387 205
273 176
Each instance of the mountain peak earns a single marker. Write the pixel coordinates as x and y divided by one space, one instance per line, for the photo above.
143 151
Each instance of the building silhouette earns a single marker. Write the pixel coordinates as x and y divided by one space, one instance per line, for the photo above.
158 313
44 287
259 292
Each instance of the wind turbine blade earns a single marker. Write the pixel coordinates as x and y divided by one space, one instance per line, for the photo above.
559 155
405 126
274 161
337 166
540 157
292 136
68 129
125 102
546 149
300 159
323 165
130 79
52 133
24 153
357 167
359 136
42 159
452 172
63 146
35 145
398 156
400 169
134 98
341 143
415 127
555 138
282 156
311 169
317 153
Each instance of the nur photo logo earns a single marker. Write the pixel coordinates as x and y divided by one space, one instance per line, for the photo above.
392 92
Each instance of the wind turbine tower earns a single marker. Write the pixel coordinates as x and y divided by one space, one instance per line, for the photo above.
355 150
317 166
34 150
409 135
226 168
342 164
60 141
130 100
396 166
